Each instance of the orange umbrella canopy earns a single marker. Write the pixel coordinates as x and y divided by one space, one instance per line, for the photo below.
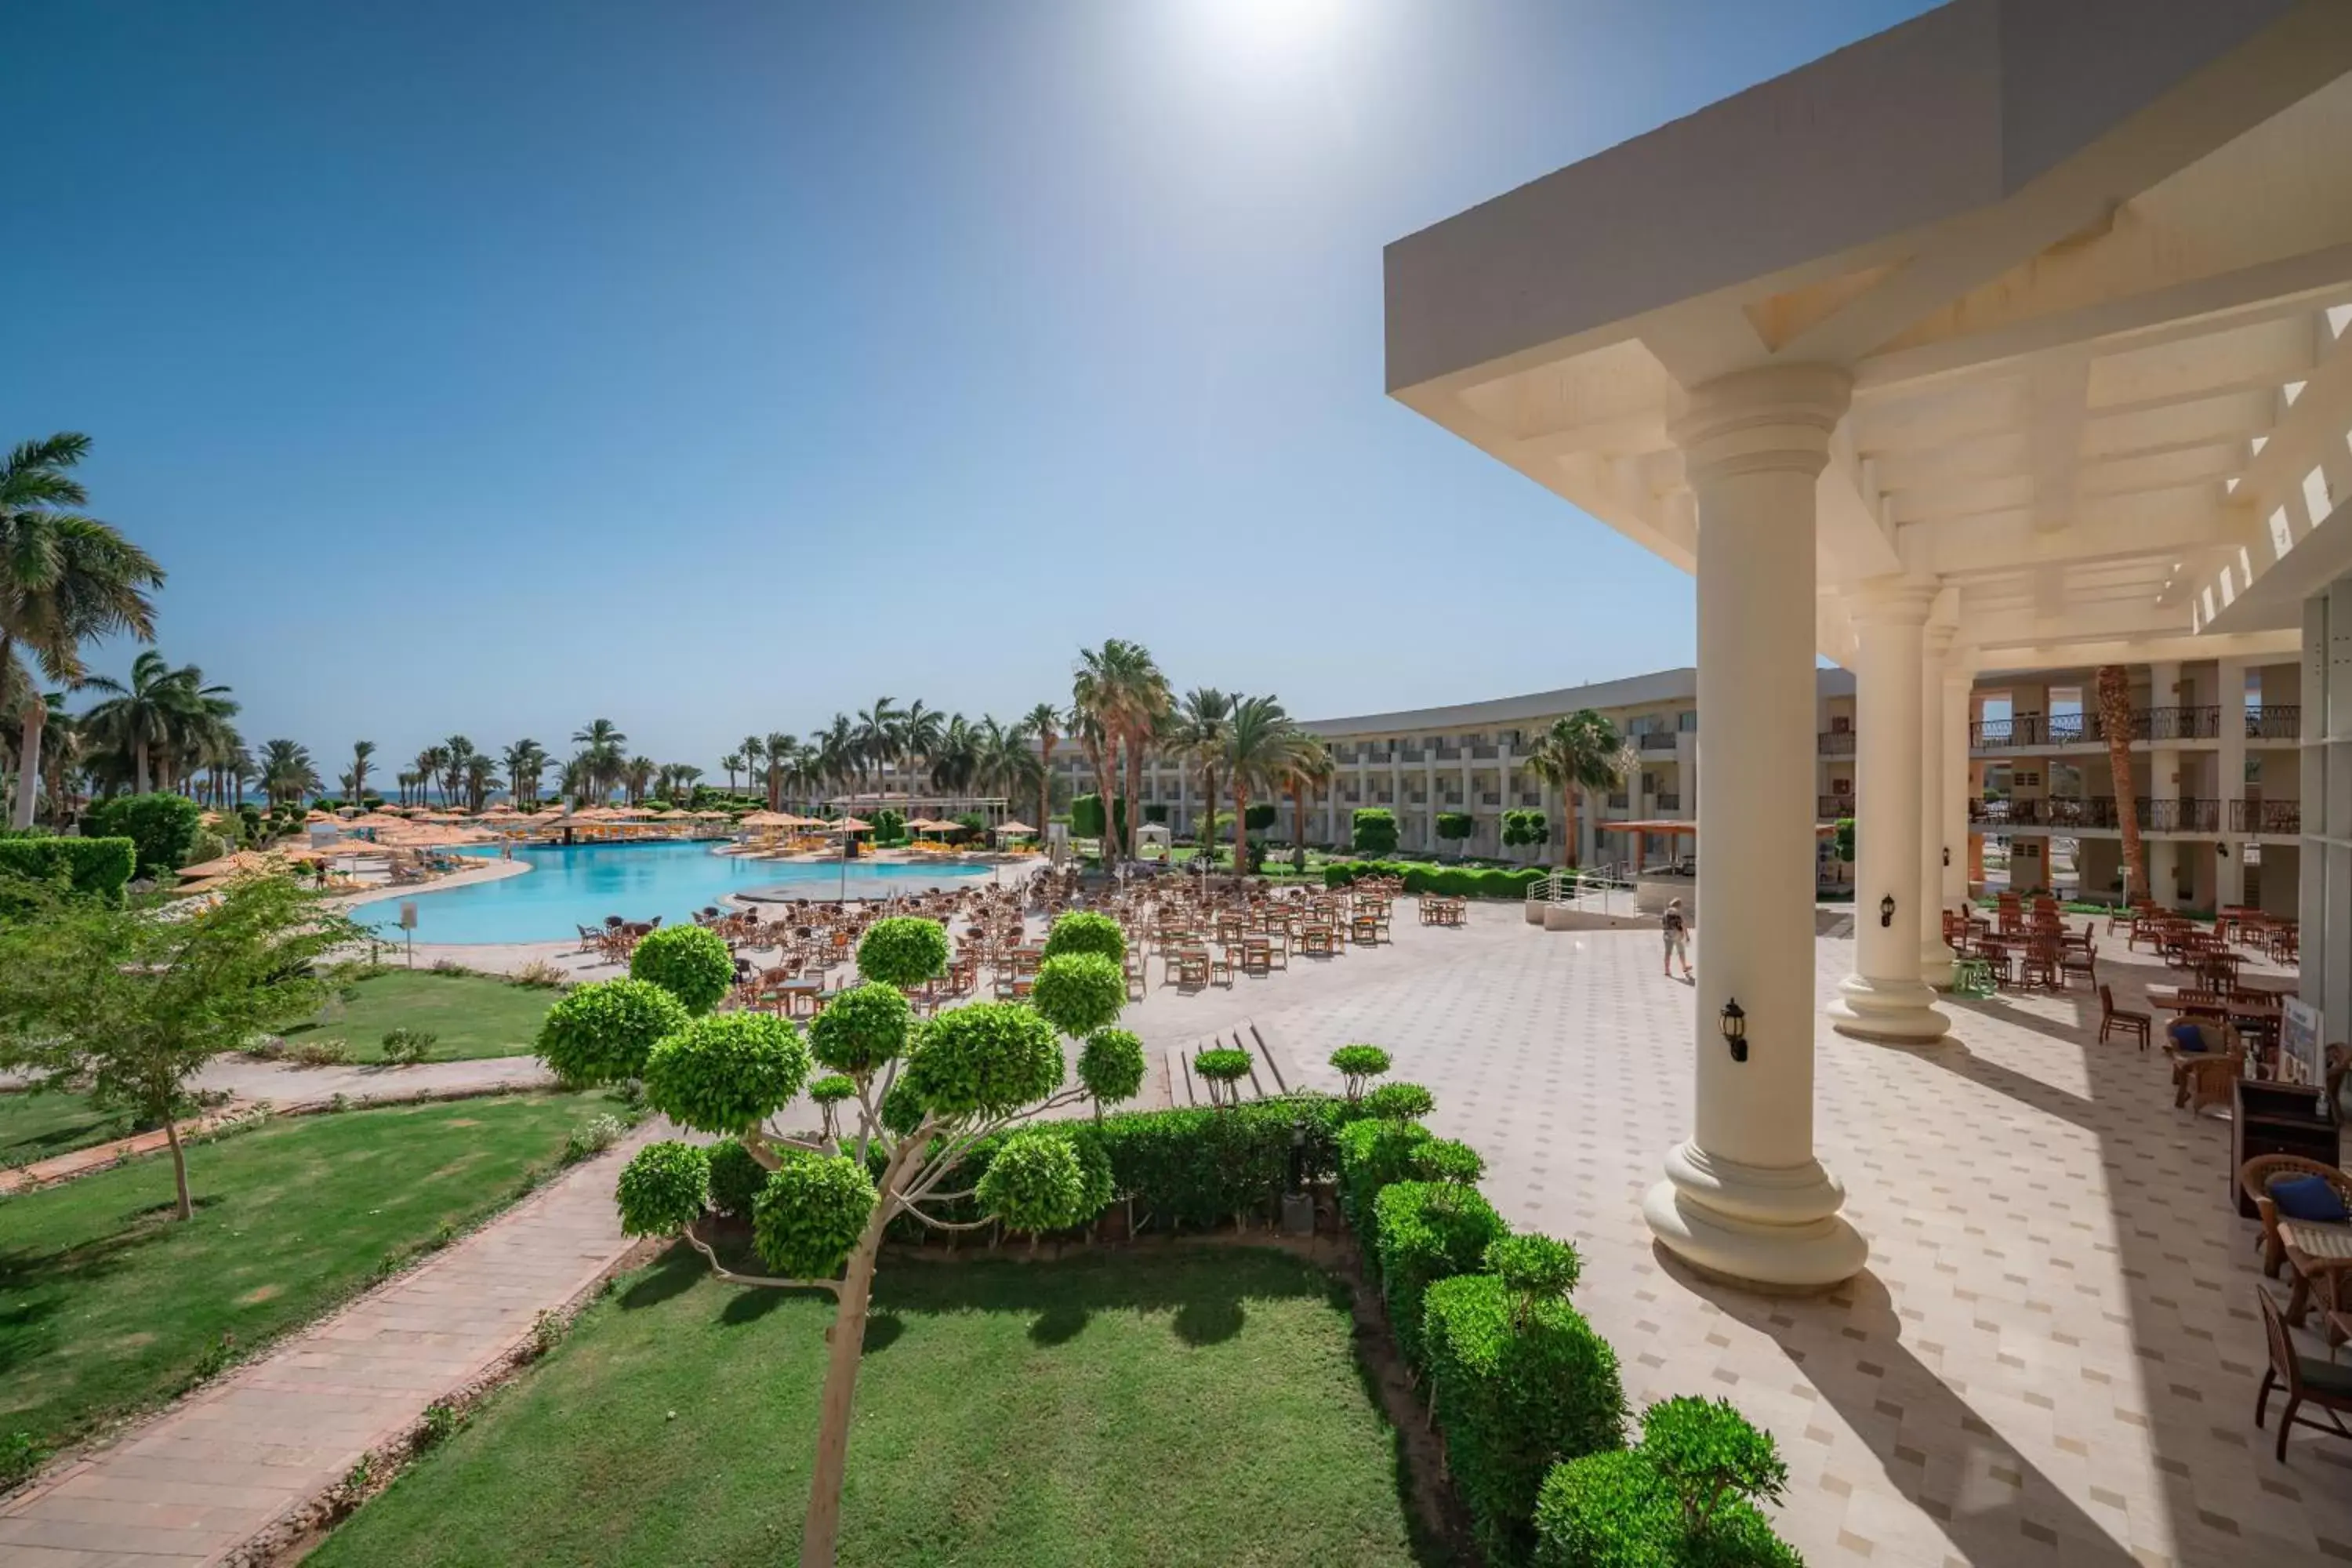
850 824
1015 828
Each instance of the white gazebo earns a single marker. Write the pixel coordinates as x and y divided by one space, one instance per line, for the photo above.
2012 338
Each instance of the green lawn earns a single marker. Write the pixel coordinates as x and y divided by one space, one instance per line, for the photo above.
1195 1407
107 1304
37 1126
472 1015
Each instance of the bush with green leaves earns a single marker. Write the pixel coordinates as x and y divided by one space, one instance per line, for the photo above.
1529 827
1084 931
1514 1397
1445 1160
208 846
728 1072
1429 1231
987 1059
901 1110
863 1028
1110 1066
405 1046
161 826
92 867
737 1178
1359 1065
829 1093
811 1214
602 1033
1035 1183
691 963
1685 1498
1534 1269
1078 993
1259 816
1453 827
1373 830
664 1188
903 951
1372 1153
1086 817
1398 1102
1222 1071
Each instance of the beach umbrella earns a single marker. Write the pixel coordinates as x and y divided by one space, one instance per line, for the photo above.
1015 828
849 825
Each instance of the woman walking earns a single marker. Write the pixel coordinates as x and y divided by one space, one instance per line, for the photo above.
1678 934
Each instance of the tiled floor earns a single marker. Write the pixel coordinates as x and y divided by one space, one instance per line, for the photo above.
2053 1357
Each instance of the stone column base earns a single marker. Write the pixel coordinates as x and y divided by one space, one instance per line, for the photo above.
1773 1230
1868 1009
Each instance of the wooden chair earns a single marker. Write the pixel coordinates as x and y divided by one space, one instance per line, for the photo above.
2039 966
2306 1380
2078 956
2255 1179
2112 1018
2202 1078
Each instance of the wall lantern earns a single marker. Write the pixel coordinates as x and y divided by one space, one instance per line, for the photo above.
1887 911
1735 1029
1947 854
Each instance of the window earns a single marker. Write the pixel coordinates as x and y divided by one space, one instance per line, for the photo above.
1841 723
1841 786
1686 721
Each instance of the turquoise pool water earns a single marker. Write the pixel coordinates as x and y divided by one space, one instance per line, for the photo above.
569 887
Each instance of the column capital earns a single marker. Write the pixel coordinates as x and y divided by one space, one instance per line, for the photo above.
1897 600
1778 419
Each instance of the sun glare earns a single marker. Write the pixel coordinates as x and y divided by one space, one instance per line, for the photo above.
1268 31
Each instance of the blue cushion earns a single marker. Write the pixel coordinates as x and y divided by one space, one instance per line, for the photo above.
2310 1198
2187 1036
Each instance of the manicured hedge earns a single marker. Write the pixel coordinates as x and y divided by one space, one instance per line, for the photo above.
1451 881
1429 1231
1515 1399
1371 1153
102 866
162 825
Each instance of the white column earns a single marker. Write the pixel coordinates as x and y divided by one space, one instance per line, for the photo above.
1884 998
1744 1198
1935 953
2163 787
1958 685
2230 868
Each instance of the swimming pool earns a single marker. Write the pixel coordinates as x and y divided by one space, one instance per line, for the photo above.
571 886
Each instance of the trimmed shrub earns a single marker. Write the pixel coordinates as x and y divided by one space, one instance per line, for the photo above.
1086 817
1514 1398
1035 1183
1359 1065
1454 881
901 1110
601 1033
1530 827
1083 931
811 1213
1534 1269
1372 830
1444 1160
162 826
208 846
1429 1231
1224 1068
1370 1155
991 1057
903 951
96 867
1155 811
1455 826
1078 993
1257 818
1111 1067
1398 1102
736 1178
1681 1499
664 1189
862 1028
727 1072
832 1088
406 1048
690 962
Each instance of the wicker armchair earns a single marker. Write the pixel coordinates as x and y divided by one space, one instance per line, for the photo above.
2200 1078
2255 1179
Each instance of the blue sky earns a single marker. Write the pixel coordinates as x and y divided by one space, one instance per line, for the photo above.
714 366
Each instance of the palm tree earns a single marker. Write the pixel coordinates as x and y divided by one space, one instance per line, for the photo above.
1580 752
637 778
1257 755
145 716
523 761
481 774
1042 723
921 731
1101 748
457 755
1198 737
953 754
754 752
783 752
362 751
683 778
1307 769
834 756
428 764
287 772
601 744
1129 698
2115 719
879 742
64 578
573 782
732 763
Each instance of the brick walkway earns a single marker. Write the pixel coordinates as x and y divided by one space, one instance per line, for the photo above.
210 1473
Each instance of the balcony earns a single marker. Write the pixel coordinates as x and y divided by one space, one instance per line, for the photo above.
1530 797
1409 753
2060 813
1490 797
1668 801
1485 753
1449 754
1836 742
2273 723
2266 817
1830 807
1656 740
1617 801
2184 816
2033 731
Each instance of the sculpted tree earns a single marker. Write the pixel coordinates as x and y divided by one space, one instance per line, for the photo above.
919 1101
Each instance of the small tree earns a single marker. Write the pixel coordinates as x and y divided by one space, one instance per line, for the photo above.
690 962
1112 1067
1400 1102
1526 827
136 1005
830 1092
1260 816
1374 831
1456 828
1359 1065
920 1106
1222 1069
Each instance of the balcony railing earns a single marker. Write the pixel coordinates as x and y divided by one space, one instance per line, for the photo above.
2184 816
1617 801
1830 807
2270 723
1669 802
1410 753
2266 817
2036 730
1656 740
1530 797
1448 754
2187 814
1484 753
1837 742
1490 797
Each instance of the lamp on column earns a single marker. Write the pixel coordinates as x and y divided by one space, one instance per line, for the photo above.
1947 854
1887 911
1734 1021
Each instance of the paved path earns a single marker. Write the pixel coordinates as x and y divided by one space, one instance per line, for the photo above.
280 1084
213 1472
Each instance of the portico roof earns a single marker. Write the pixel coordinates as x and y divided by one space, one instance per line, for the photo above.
2087 262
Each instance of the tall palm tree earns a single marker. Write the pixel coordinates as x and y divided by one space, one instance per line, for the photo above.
921 731
64 579
428 763
754 752
1307 769
952 753
836 760
1198 739
1257 754
637 778
481 774
731 764
1129 697
1580 752
523 761
879 738
287 772
143 716
783 752
1042 723
683 778
457 755
361 752
2115 719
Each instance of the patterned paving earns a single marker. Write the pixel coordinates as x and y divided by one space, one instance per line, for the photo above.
2053 1357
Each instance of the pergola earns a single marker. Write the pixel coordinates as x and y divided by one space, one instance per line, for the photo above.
2011 337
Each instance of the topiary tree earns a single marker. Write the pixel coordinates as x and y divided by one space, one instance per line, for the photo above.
602 1033
1454 828
1112 1067
1534 1269
1259 816
736 1178
1400 1102
1079 992
923 1101
1035 1182
1526 827
690 962
828 1092
1083 931
1373 830
1222 1069
1359 1065
1687 1493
